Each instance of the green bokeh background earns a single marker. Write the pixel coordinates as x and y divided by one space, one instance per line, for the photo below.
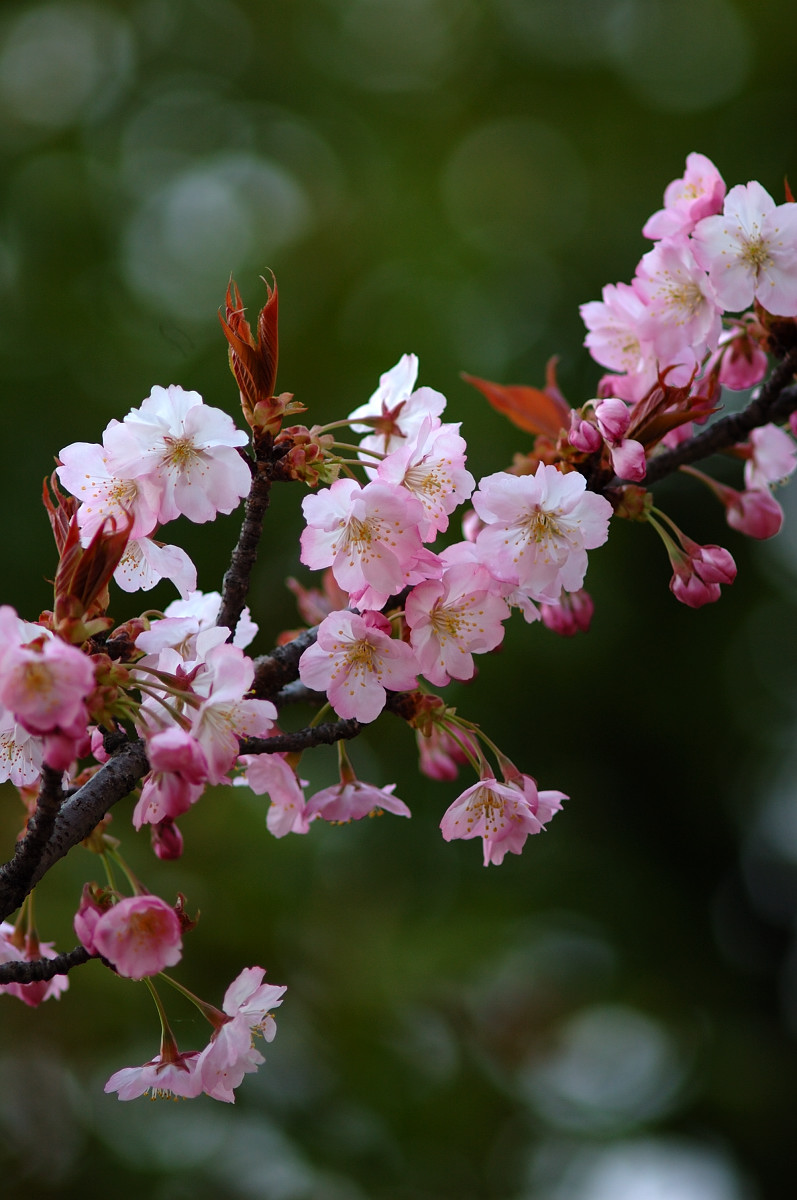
612 1015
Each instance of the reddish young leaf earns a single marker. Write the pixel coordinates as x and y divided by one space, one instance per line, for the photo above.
531 409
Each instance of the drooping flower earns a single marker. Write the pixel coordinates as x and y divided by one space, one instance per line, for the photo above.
231 1052
351 800
140 935
14 947
773 457
271 775
499 813
166 1080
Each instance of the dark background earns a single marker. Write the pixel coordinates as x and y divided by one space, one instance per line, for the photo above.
612 1015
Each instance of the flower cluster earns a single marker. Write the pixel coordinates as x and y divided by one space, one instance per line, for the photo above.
168 703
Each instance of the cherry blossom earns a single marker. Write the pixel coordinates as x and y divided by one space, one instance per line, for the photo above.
539 527
187 449
370 538
140 935
231 1053
750 251
395 396
354 660
773 457
431 466
686 201
225 714
453 618
45 685
13 948
178 775
91 475
145 562
176 1077
682 317
270 774
498 813
351 799
572 614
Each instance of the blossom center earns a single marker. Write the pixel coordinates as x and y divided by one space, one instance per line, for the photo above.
180 452
756 253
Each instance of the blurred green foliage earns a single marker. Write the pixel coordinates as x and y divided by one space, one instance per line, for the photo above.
612 1014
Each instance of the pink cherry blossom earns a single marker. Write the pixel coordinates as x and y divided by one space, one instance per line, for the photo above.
231 1052
369 536
440 753
91 475
187 449
750 252
354 660
773 458
179 1076
45 683
140 936
755 512
742 361
409 408
203 608
178 775
498 813
270 774
453 618
351 800
225 714
145 562
539 527
683 317
628 456
30 949
686 201
431 466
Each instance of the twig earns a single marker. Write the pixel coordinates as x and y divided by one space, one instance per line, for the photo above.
15 875
78 816
236 581
775 403
40 969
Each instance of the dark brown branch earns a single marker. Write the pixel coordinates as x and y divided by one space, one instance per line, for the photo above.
16 874
77 817
281 666
775 403
40 969
325 734
236 581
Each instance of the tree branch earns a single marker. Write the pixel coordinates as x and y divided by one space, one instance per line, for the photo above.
40 969
77 817
236 581
281 666
775 403
16 874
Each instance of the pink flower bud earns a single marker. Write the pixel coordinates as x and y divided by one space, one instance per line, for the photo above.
613 417
583 435
755 512
167 841
571 615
